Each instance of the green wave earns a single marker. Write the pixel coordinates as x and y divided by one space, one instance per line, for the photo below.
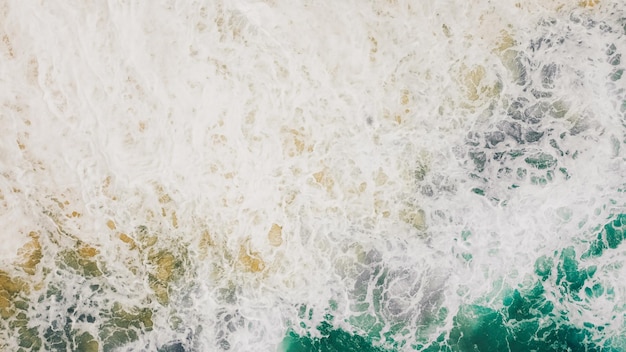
527 319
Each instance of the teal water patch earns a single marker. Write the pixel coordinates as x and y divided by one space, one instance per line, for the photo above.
611 236
336 341
526 319
331 340
568 273
527 322
541 161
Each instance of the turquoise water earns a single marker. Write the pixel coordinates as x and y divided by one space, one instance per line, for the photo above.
525 320
299 176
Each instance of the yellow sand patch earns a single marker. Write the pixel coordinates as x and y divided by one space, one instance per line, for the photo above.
111 225
275 235
174 219
31 254
146 239
87 343
414 217
322 178
163 196
476 86
87 251
9 289
404 99
219 139
106 188
250 261
165 265
294 142
588 3
505 41
205 242
472 82
9 285
126 239
6 307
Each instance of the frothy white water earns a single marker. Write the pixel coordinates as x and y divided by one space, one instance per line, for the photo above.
216 173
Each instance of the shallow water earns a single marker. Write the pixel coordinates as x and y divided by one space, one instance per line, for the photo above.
313 176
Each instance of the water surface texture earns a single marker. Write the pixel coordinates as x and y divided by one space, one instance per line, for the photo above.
299 176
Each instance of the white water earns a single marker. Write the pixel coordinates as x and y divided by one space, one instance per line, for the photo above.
346 123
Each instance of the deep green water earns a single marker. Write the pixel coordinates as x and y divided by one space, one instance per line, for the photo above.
526 320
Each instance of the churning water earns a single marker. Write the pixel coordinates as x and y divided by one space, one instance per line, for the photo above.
277 175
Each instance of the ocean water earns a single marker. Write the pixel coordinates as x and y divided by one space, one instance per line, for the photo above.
299 176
